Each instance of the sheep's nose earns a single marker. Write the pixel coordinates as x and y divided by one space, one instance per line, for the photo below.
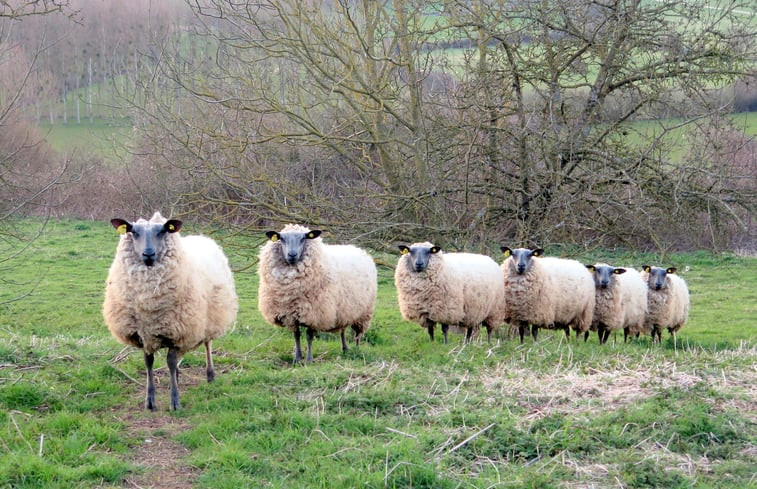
603 284
521 268
148 256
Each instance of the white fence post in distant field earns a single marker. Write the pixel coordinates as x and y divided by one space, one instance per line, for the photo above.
89 91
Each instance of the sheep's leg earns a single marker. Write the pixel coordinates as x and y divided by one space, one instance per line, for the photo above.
468 335
445 331
626 331
310 336
586 336
489 333
209 369
297 349
344 342
605 335
430 328
534 331
150 395
522 330
173 368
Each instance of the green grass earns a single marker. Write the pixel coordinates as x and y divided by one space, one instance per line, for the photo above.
398 412
104 139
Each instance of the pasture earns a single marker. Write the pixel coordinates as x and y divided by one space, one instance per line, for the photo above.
398 412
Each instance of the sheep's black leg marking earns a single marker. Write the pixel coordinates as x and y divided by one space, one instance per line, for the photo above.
344 342
586 336
625 335
356 328
534 331
209 369
656 334
150 395
489 330
297 349
445 332
468 334
310 336
430 327
173 368
522 330
600 332
566 329
605 335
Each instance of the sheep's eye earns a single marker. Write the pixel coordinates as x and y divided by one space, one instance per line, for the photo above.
135 234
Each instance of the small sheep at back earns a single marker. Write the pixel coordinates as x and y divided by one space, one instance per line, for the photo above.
667 301
620 300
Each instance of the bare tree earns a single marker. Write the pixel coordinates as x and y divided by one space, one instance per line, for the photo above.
465 121
28 174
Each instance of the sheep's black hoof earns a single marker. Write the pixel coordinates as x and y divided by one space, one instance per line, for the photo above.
211 375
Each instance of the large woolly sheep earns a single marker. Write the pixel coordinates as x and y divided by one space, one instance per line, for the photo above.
546 292
620 300
667 301
168 291
307 283
454 289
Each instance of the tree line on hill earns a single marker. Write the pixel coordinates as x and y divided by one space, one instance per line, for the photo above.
465 122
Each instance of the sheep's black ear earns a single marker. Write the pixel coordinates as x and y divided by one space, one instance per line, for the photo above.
505 250
403 249
272 235
314 234
591 268
122 226
619 271
646 268
538 252
172 226
435 249
671 270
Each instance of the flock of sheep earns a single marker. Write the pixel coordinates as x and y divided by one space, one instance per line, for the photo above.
168 291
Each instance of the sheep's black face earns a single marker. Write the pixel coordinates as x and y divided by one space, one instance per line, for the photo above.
292 243
148 238
419 255
657 277
603 274
521 258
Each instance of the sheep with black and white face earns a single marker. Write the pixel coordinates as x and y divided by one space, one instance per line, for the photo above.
462 290
306 283
668 301
168 291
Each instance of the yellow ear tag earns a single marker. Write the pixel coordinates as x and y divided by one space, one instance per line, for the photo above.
274 238
121 229
171 227
311 236
405 251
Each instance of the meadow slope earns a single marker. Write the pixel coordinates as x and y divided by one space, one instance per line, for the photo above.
398 412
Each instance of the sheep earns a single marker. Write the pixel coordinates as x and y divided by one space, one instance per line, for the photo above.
307 283
667 301
168 291
620 300
455 289
553 293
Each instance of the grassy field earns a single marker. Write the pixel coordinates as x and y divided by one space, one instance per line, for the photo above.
105 139
399 412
